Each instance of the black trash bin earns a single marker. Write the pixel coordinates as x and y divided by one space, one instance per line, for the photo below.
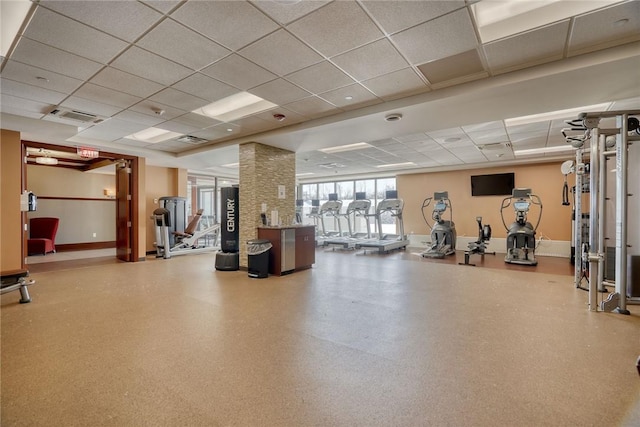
258 258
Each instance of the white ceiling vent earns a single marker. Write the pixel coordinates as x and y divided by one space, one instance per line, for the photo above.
78 116
496 146
190 139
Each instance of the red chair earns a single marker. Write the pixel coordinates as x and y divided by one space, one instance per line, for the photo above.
42 232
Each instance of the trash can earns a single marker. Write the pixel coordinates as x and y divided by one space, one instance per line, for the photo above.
258 258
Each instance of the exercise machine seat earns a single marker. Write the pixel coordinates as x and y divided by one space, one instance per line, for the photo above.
42 235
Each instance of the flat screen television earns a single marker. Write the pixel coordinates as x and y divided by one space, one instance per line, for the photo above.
391 194
499 184
333 196
315 202
361 195
299 202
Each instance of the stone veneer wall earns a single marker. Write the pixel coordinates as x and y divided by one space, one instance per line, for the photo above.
262 169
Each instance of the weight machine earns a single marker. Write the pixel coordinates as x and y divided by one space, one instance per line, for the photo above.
186 242
604 143
478 247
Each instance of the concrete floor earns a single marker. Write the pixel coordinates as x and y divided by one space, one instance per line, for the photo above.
359 340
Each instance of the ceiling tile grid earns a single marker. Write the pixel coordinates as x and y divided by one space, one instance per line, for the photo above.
131 59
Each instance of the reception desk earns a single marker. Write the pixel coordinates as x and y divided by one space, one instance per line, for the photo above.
293 247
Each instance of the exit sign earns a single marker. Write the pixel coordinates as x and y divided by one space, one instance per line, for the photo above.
87 152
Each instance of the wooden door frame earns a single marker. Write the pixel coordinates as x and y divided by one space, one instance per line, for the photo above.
134 243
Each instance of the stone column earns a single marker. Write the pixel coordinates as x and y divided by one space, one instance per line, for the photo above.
262 170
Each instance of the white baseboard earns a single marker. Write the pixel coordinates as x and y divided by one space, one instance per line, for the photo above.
554 248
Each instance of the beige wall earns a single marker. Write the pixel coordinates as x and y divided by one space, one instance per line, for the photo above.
79 219
544 179
262 169
160 182
143 218
11 226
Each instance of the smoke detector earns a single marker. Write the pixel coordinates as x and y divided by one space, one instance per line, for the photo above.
393 117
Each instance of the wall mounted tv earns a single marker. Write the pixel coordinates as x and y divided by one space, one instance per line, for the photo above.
499 184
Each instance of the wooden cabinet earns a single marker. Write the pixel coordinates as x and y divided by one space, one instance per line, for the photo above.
303 246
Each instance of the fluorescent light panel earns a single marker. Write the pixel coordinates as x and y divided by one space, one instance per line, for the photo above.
393 165
570 113
234 107
153 135
544 150
348 147
497 19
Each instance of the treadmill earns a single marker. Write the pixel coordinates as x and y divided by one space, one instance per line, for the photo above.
357 208
387 242
329 208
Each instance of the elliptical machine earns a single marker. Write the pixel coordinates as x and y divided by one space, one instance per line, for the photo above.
479 246
443 232
521 234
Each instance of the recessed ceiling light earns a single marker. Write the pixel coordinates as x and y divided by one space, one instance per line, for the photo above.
396 165
544 150
348 98
229 130
497 19
45 160
234 107
348 147
153 135
553 115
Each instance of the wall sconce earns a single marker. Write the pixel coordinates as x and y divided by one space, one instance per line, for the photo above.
110 193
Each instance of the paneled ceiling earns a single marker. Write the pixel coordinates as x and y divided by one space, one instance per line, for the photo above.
334 69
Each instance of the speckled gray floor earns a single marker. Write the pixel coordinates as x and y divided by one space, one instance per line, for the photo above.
359 340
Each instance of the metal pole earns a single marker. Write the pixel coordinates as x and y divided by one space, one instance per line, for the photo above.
602 192
621 212
594 196
577 221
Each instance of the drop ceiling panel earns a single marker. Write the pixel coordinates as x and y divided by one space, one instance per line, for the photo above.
336 28
55 30
142 119
395 16
541 127
396 85
445 36
124 19
178 99
28 74
239 72
281 53
111 130
125 82
364 62
255 124
361 97
286 12
13 105
145 64
181 128
546 43
320 78
163 6
205 87
106 96
219 20
150 107
606 25
463 64
182 45
33 93
196 120
215 132
52 59
279 92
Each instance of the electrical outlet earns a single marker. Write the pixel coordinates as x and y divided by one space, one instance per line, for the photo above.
94 234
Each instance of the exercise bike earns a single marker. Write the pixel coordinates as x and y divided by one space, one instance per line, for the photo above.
521 234
443 232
